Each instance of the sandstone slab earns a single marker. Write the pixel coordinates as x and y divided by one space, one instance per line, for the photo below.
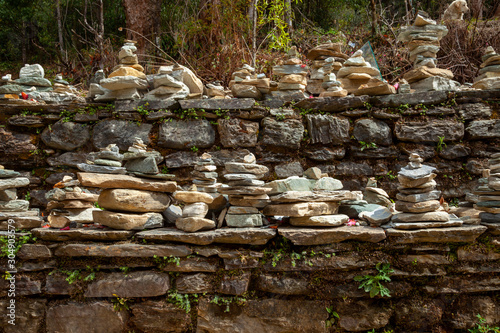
81 235
193 224
135 284
133 200
123 221
123 181
122 250
159 316
320 221
466 234
302 209
309 236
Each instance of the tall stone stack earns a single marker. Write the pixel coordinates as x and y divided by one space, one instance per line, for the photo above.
205 174
326 58
245 83
292 75
11 208
331 87
194 211
309 202
423 38
418 203
245 192
69 205
489 74
107 160
141 162
489 193
168 84
127 79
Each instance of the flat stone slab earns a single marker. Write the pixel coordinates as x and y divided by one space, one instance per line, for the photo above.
132 105
333 104
122 250
461 234
55 235
250 236
493 228
314 236
308 196
124 181
425 225
216 104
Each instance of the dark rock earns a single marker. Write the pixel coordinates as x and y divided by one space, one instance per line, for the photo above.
325 154
159 316
424 151
309 236
194 284
429 132
218 104
440 111
463 312
333 104
26 121
120 132
66 135
29 314
181 159
34 251
68 159
135 284
221 157
353 169
134 105
57 177
425 98
289 170
236 133
474 111
189 265
25 286
180 134
475 167
363 315
353 210
483 129
122 250
451 152
85 117
56 284
254 114
38 199
436 235
282 285
379 152
55 235
286 134
327 129
370 130
235 284
97 317
13 143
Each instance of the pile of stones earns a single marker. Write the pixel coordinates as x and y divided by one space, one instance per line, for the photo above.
205 174
331 87
142 162
245 192
127 79
13 208
69 205
423 39
326 58
418 203
360 78
292 75
194 211
489 193
168 85
245 83
489 74
215 90
107 160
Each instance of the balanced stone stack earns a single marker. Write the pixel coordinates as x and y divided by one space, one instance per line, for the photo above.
31 79
194 211
143 163
375 195
168 85
331 87
127 79
326 58
423 39
360 78
245 192
418 201
489 193
62 86
107 160
215 90
489 74
69 205
309 202
205 175
245 83
292 75
13 208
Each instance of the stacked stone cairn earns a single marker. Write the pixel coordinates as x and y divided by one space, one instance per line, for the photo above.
376 196
215 90
326 58
423 39
360 78
13 208
331 87
245 192
107 160
194 211
143 163
489 193
205 174
69 205
292 75
311 201
418 203
31 79
489 77
127 79
245 83
168 84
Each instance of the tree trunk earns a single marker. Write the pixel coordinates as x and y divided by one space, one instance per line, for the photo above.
373 6
143 23
252 16
60 31
476 9
288 15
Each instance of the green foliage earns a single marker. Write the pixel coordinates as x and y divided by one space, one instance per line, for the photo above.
182 301
367 145
121 303
332 317
18 243
373 283
194 149
481 326
142 109
280 117
440 144
162 261
125 270
227 301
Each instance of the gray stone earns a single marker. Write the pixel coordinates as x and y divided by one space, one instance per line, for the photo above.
326 154
109 181
194 284
186 134
97 317
133 200
243 220
320 221
120 132
291 184
466 234
286 134
309 236
425 225
432 195
282 285
66 135
218 104
308 196
421 217
255 169
29 71
327 129
435 83
4 173
328 184
126 221
33 81
429 132
54 235
146 165
68 159
452 152
377 217
135 284
92 168
181 159
353 210
108 163
30 315
289 170
34 251
370 130
193 224
363 315
172 213
418 173
235 284
121 250
417 207
353 169
197 209
236 132
159 316
14 205
13 183
8 194
58 177
474 111
484 129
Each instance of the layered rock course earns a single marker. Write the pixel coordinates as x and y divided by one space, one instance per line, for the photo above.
489 74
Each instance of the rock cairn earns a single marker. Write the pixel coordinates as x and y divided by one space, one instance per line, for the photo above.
292 75
489 193
489 74
360 78
127 79
245 83
423 39
326 58
107 160
215 90
205 174
13 208
31 79
375 195
142 162
69 205
245 192
194 211
418 199
311 201
331 87
168 85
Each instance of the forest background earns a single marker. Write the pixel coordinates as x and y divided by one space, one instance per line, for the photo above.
214 37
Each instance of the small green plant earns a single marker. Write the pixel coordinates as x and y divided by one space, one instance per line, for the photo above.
161 261
368 105
182 301
125 270
27 197
332 317
194 149
440 144
373 283
390 175
5 250
481 326
227 301
164 170
367 145
280 117
142 109
121 303
454 202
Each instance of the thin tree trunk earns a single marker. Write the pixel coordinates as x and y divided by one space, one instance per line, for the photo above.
101 33
373 6
288 15
60 30
143 22
252 15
